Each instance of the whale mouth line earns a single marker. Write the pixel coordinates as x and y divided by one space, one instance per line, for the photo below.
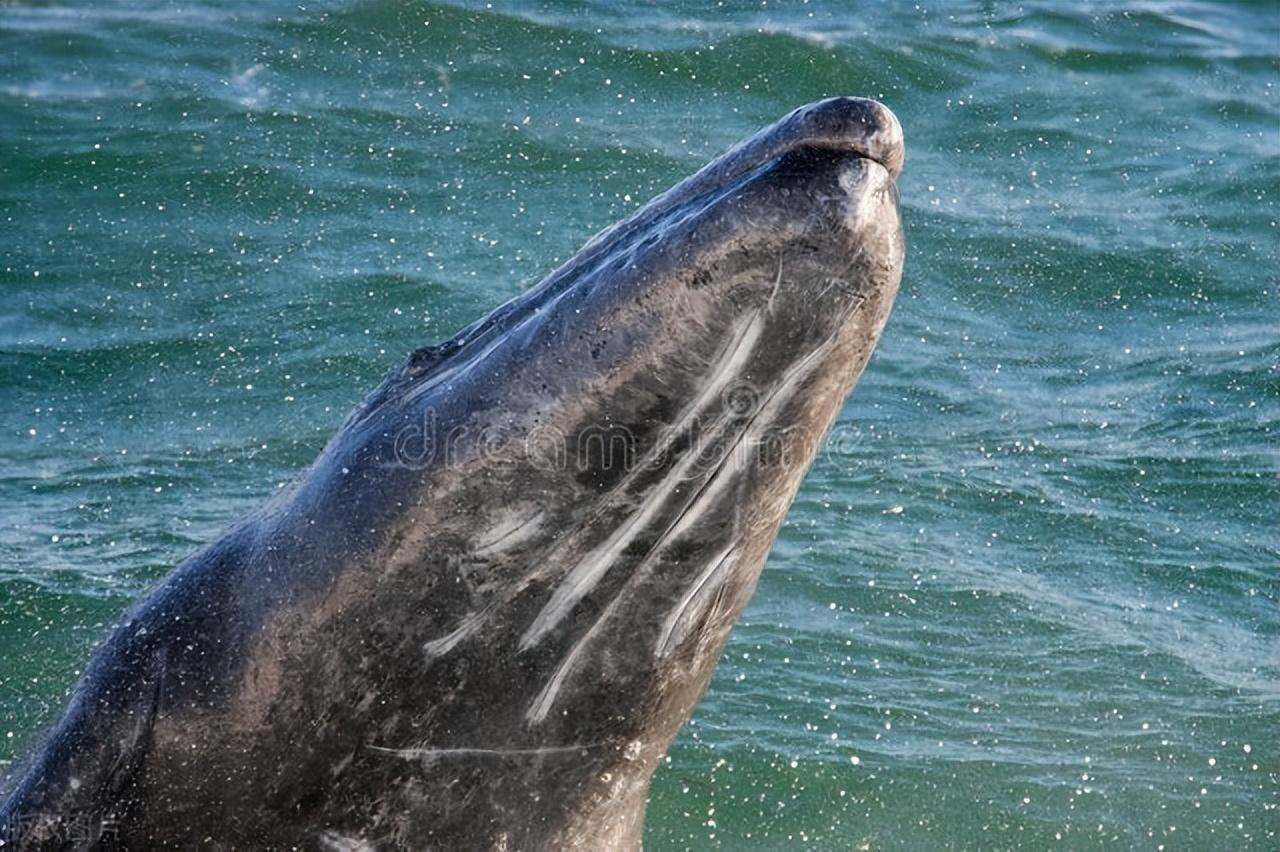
844 146
853 125
888 155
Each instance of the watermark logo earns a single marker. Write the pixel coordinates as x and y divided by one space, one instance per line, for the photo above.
700 443
742 399
77 829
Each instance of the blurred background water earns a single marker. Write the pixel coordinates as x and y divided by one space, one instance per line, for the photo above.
1029 598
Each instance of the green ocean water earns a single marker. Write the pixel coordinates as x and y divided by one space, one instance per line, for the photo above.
1029 595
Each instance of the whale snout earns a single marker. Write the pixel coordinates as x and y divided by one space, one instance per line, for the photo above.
862 126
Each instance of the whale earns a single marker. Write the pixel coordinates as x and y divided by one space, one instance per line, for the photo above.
479 618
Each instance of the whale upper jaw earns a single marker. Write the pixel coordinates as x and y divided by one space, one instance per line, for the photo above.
857 125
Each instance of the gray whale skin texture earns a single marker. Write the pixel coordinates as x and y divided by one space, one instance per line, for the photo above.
482 614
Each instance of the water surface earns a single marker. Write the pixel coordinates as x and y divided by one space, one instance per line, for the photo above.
1029 596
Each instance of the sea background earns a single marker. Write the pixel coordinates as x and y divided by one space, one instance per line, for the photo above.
1031 595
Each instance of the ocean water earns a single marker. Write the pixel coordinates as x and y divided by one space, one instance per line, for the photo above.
1029 595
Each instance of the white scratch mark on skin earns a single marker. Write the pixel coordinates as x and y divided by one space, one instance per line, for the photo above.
541 705
785 390
777 283
502 537
681 619
419 753
739 454
331 841
583 577
508 534
445 644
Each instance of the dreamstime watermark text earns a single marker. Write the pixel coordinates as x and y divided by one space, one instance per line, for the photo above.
737 430
77 829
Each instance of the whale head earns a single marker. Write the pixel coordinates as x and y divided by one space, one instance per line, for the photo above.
483 613
578 492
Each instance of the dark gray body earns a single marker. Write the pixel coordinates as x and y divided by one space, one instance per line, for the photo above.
480 617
